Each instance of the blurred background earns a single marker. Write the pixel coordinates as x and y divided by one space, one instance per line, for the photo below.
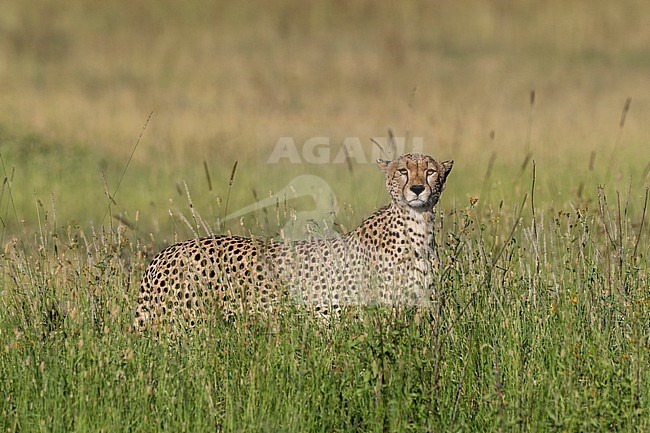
494 85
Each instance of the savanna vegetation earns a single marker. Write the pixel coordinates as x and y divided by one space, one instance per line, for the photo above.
125 126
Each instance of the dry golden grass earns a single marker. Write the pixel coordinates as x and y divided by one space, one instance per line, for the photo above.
541 317
227 79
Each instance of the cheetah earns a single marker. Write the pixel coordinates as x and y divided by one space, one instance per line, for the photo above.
390 259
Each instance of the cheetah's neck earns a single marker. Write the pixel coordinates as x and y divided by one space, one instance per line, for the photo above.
413 224
421 222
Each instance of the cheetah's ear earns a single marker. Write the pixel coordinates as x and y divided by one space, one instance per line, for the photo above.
446 167
383 164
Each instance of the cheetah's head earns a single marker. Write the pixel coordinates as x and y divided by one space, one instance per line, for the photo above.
415 181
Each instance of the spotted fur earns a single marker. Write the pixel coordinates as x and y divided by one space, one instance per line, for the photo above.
389 259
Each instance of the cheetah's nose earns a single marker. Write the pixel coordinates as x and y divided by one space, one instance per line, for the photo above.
417 189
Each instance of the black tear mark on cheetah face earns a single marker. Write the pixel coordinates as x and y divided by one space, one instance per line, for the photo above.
415 181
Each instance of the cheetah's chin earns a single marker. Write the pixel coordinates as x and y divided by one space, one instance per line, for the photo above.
417 203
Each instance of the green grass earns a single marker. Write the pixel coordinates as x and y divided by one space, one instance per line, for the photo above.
541 319
536 327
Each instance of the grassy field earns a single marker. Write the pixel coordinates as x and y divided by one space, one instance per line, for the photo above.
120 126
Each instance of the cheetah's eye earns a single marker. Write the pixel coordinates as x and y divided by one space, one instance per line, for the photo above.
403 171
430 172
